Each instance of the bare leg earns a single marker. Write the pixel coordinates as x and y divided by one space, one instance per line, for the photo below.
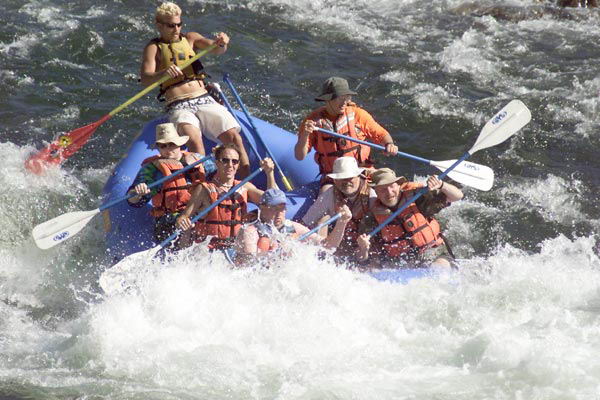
195 143
233 136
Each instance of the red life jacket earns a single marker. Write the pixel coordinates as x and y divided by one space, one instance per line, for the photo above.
224 221
175 193
359 208
329 148
410 232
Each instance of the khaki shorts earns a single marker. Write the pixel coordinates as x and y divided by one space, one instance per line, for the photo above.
211 118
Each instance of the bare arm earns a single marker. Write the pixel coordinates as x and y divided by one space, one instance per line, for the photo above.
302 145
199 200
452 192
200 42
337 234
254 193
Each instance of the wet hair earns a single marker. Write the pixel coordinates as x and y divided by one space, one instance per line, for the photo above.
168 9
219 150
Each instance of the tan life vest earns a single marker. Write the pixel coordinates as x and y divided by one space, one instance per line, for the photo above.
178 53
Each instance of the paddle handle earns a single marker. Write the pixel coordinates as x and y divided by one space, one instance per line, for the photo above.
420 193
161 80
373 145
228 105
284 179
154 184
316 228
208 209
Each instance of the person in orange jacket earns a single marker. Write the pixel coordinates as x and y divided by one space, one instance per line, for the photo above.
341 115
411 237
223 222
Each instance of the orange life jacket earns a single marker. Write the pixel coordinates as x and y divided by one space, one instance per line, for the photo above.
410 232
329 148
175 193
359 208
266 242
224 221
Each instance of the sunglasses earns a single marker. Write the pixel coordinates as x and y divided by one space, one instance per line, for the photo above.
232 161
165 145
172 26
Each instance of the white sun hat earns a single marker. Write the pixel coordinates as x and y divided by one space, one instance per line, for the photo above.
344 168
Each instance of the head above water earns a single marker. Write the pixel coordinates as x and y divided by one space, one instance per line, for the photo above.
387 186
333 88
346 175
166 133
167 9
272 207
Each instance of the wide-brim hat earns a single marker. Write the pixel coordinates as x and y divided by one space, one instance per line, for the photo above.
344 168
334 87
385 176
166 133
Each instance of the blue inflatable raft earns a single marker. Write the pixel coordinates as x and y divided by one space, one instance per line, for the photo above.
129 229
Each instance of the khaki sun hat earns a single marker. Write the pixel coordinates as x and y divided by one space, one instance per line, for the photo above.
166 133
385 176
334 87
344 168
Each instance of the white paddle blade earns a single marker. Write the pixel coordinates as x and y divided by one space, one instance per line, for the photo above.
467 173
503 125
50 233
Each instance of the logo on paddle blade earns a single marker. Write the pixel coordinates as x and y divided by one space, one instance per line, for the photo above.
499 117
60 236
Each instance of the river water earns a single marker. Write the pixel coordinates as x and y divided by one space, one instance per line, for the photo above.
521 322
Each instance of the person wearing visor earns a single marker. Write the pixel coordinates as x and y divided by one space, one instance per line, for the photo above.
349 189
223 222
264 234
189 105
414 238
170 198
341 115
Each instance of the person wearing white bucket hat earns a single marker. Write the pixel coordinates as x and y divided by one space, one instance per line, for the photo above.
411 238
170 198
349 188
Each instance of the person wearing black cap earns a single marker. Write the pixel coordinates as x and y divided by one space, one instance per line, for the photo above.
341 115
263 235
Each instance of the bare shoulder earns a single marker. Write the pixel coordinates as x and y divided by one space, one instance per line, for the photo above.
195 39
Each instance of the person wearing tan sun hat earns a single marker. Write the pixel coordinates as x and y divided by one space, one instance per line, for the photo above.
170 198
341 115
193 111
412 236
